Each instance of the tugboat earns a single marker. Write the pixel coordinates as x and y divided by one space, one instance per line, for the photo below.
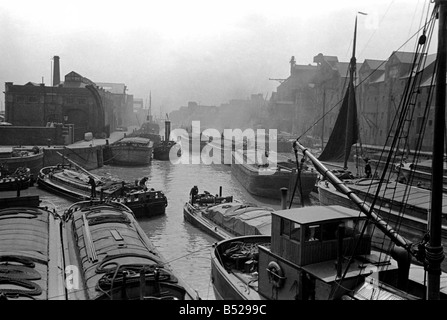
313 253
166 148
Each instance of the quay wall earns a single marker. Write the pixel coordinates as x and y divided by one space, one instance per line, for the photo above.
88 154
34 136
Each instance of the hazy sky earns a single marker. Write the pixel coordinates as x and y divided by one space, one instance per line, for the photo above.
206 51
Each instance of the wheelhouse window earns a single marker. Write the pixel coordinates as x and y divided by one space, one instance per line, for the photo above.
295 231
285 227
312 233
291 229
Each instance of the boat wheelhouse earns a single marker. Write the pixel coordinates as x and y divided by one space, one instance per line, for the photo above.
318 252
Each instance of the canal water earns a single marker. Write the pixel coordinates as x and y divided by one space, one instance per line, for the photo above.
185 247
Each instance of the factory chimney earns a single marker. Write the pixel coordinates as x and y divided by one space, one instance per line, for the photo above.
56 71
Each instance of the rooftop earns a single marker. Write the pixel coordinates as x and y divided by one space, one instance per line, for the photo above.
315 214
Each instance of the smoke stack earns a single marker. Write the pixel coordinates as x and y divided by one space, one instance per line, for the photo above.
56 71
167 129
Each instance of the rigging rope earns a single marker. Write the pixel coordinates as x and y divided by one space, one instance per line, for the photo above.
361 82
399 121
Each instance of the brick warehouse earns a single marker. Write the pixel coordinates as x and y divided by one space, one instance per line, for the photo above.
77 101
313 90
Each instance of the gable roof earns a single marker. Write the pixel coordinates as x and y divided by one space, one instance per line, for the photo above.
375 64
74 79
116 88
403 57
343 68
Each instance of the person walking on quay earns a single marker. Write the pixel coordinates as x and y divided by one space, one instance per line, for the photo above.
92 182
193 193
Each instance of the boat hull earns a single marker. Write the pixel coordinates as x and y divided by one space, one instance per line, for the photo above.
144 204
21 179
421 175
225 218
131 156
198 221
115 258
268 184
163 151
32 161
226 285
31 253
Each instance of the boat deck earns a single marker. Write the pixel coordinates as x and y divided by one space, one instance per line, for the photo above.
398 193
197 218
31 254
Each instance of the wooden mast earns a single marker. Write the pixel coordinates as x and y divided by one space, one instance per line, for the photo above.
352 66
434 250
